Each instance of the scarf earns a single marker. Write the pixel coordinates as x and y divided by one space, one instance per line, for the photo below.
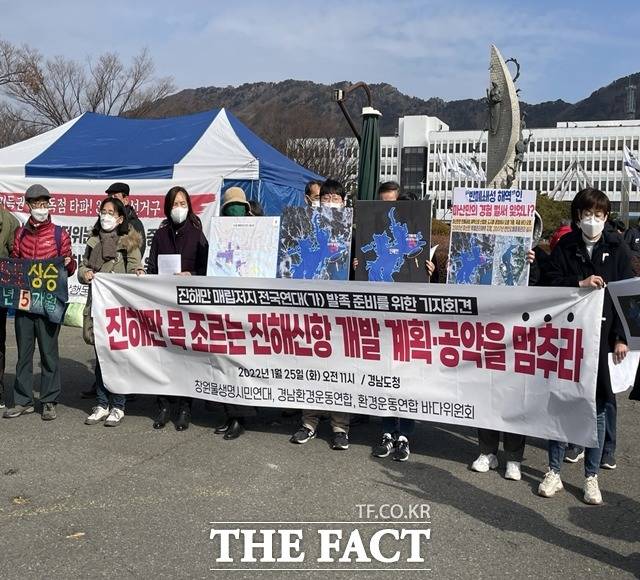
104 251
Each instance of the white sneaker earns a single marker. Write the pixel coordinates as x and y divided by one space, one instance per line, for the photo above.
550 484
592 493
484 463
513 471
97 414
114 418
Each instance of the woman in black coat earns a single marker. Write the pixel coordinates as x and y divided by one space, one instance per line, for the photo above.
181 233
590 257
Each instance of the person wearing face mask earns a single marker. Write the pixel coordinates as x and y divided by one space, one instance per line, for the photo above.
113 248
590 257
180 233
235 204
332 195
38 239
312 193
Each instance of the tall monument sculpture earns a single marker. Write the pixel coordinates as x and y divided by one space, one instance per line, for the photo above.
506 146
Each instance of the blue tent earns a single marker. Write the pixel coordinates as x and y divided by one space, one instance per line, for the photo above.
213 147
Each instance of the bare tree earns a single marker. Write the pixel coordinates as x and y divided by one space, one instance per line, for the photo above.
53 91
334 157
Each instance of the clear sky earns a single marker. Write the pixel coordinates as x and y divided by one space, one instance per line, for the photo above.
426 48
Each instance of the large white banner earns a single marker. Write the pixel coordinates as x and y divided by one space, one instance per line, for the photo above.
522 360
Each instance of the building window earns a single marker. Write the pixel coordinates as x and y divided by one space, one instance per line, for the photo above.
431 148
596 165
539 146
582 144
457 147
597 145
464 148
395 151
538 166
395 170
612 165
605 145
537 186
610 186
484 147
546 146
553 145
618 185
590 145
384 152
560 145
545 166
619 165
552 165
589 165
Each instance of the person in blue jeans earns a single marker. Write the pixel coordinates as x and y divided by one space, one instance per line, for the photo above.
590 257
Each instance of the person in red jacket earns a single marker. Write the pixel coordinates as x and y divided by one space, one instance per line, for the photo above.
38 239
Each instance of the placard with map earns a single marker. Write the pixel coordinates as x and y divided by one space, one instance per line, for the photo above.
392 240
491 232
245 247
315 243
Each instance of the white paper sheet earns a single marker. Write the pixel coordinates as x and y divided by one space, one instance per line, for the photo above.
169 264
623 375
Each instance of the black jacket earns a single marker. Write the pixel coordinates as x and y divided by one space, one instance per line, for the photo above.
187 240
632 237
135 222
611 259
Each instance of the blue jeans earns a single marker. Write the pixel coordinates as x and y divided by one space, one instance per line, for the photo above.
103 394
610 421
592 455
402 426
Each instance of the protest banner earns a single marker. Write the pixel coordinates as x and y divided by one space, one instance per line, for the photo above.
315 243
35 286
244 247
491 232
392 240
626 298
518 360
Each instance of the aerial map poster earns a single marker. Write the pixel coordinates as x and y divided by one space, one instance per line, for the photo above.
243 247
315 243
491 232
392 240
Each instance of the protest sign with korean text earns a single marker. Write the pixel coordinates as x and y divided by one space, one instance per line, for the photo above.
35 286
491 233
518 360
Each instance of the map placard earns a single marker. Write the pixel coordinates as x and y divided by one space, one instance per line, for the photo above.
315 243
491 233
392 240
245 247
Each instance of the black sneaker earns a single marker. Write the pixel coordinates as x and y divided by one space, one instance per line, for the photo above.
302 435
401 452
383 449
608 462
573 454
340 440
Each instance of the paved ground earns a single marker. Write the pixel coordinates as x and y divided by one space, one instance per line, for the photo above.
79 501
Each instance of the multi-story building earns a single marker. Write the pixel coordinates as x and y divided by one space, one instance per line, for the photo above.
426 158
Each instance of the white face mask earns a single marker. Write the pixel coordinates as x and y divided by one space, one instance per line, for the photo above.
108 222
179 214
315 203
591 227
40 214
334 205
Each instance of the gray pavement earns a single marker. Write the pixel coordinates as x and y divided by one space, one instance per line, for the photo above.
131 502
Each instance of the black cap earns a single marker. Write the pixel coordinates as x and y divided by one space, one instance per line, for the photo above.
35 191
118 187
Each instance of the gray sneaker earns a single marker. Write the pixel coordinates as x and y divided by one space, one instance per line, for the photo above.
49 412
18 410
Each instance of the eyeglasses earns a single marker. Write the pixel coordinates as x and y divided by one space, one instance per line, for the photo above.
39 204
331 197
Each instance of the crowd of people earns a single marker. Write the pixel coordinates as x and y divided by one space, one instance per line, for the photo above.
588 251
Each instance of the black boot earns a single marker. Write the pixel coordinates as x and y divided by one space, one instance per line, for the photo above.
235 430
162 418
183 420
220 429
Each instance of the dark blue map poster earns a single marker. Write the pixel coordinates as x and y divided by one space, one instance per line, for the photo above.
315 243
392 240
